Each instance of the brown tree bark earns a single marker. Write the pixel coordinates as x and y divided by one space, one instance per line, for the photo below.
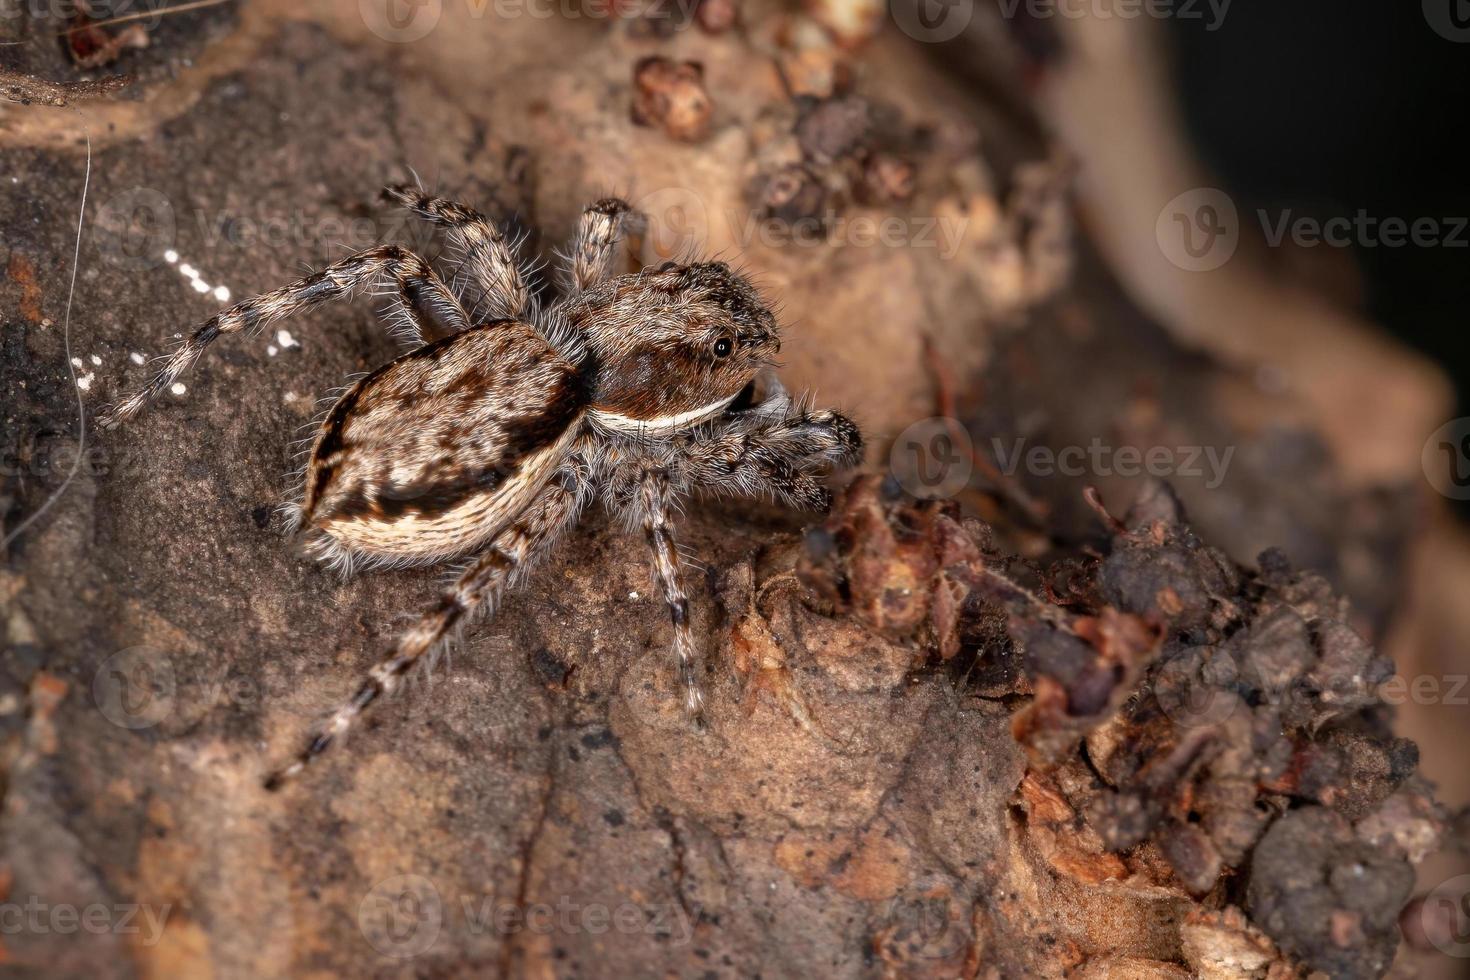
1030 731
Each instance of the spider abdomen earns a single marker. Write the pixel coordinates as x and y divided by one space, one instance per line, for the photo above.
431 454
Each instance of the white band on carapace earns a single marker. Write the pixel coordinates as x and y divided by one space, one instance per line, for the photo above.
664 423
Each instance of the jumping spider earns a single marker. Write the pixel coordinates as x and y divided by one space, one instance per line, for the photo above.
490 440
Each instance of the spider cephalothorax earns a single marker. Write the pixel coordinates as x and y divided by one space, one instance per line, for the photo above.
491 440
672 347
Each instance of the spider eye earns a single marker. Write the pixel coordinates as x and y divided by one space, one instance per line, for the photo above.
723 347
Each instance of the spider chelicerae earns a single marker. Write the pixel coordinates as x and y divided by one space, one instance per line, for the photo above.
489 441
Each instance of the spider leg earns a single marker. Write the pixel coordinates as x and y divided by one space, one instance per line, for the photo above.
811 440
652 503
509 555
594 248
776 455
420 294
486 256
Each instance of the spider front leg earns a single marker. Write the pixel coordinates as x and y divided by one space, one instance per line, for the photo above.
594 249
653 501
770 454
511 553
419 295
486 258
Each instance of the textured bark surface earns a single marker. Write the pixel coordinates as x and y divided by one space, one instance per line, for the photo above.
939 745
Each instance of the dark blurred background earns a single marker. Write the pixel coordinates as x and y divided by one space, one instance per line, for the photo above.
1329 107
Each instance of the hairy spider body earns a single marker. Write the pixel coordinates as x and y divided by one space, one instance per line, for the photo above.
491 441
428 456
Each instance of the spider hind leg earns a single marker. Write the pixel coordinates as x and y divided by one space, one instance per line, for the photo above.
419 295
478 589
